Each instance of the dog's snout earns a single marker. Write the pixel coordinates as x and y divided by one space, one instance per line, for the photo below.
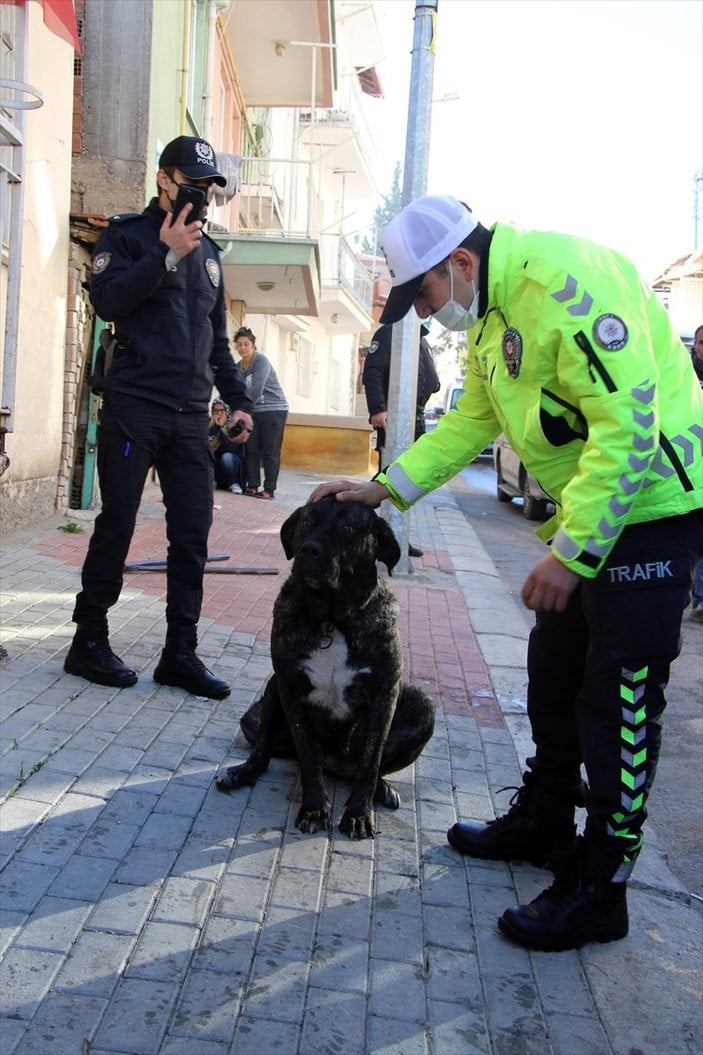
311 548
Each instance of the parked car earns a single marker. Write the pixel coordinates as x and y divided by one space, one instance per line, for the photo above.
514 481
432 416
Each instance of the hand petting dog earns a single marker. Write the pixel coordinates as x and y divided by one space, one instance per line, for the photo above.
369 493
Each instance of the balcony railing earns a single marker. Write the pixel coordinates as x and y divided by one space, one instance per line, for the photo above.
276 197
341 266
352 115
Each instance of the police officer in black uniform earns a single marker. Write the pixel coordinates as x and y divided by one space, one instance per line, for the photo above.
157 278
376 377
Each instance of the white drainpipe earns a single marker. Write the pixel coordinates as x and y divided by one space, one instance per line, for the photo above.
212 9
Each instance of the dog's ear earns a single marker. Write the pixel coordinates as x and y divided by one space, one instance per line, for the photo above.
387 548
288 530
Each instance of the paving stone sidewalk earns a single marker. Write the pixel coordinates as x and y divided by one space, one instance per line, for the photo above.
145 913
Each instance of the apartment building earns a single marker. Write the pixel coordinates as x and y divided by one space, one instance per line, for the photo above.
281 89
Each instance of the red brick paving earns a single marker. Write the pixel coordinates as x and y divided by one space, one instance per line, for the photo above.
439 646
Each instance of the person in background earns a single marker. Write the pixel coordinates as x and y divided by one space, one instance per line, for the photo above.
270 414
156 276
697 354
228 454
597 397
697 599
376 378
696 612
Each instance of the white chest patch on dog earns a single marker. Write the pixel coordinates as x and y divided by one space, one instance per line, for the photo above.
331 675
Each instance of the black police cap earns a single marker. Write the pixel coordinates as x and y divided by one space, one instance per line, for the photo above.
194 157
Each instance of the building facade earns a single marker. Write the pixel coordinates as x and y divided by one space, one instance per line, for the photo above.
282 99
35 189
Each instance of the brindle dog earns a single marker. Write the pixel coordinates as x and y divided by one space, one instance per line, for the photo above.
335 699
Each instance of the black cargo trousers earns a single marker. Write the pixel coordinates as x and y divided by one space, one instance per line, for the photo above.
133 435
597 676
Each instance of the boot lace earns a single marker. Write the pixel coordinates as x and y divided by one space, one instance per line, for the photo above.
569 876
517 806
193 660
104 654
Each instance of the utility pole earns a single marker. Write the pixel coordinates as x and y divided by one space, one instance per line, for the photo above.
402 382
698 211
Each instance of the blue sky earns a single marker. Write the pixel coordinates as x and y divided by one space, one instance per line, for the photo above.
583 116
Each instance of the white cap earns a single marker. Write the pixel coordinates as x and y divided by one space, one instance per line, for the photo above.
423 234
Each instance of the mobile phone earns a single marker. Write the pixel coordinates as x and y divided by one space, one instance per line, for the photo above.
188 195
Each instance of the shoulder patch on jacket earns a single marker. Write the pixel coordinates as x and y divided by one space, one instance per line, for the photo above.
213 271
100 262
610 332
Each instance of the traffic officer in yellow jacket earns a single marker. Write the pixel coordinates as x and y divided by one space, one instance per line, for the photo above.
575 360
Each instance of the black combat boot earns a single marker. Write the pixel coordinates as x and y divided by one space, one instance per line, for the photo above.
180 666
91 657
538 825
577 908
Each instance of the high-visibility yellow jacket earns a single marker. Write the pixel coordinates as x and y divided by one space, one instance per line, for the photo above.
575 360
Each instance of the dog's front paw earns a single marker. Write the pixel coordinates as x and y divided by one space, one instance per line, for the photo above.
237 777
357 823
314 819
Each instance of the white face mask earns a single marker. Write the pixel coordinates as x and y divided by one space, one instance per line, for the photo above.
454 316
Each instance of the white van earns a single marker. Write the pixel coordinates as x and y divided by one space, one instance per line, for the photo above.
452 394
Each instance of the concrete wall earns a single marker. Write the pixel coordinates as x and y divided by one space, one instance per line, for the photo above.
28 488
78 358
109 173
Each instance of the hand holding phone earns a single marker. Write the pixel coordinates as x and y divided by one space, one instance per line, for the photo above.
188 195
185 235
